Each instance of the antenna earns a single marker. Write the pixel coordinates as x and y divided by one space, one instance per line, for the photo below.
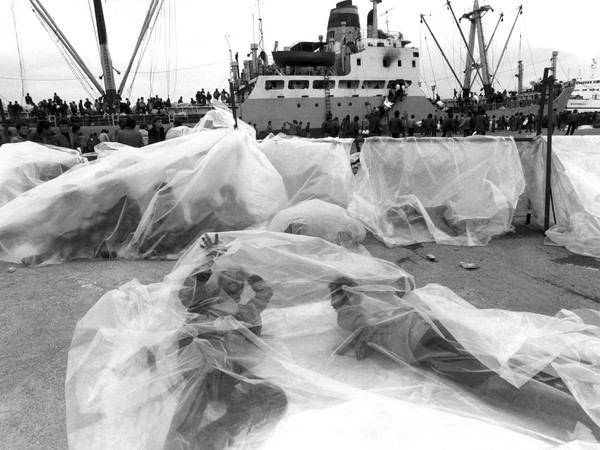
261 37
387 22
594 68
229 46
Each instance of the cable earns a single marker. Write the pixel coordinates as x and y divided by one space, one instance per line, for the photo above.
144 47
6 19
176 48
20 52
93 18
68 58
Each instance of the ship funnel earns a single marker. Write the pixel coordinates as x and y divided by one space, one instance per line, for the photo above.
372 25
343 12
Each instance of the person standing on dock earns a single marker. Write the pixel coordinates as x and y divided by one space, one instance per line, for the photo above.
573 122
412 123
395 125
479 123
448 128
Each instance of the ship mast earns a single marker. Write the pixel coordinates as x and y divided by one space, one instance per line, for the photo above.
477 29
105 60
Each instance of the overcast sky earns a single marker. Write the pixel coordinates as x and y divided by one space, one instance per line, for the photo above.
195 32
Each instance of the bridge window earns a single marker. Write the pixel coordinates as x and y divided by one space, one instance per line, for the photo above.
373 84
321 84
298 84
414 63
274 84
386 63
415 54
399 63
349 84
358 62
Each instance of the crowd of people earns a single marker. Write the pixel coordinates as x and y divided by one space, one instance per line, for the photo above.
508 99
464 124
85 109
71 136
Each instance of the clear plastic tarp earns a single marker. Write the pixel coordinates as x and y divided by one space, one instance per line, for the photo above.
155 201
451 190
149 201
575 190
321 219
269 340
312 168
233 186
26 165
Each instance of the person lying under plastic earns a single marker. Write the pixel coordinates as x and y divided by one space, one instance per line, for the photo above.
384 323
224 380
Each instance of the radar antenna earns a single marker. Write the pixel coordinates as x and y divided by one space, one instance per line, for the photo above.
387 22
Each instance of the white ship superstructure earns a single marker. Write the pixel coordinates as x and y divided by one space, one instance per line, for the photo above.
350 73
585 96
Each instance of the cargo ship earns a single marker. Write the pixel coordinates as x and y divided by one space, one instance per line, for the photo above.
349 72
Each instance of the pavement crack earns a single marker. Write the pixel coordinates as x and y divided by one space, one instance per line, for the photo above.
568 289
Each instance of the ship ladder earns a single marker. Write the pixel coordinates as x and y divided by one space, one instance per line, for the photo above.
327 95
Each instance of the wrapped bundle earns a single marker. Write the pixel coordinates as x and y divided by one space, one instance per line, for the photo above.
26 165
320 219
312 168
233 187
451 191
575 185
144 202
93 212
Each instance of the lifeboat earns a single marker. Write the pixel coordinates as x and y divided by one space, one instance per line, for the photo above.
304 59
305 54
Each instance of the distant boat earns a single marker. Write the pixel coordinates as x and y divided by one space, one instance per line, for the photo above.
585 96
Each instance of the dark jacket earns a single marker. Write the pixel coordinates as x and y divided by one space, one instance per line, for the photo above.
156 135
131 137
61 140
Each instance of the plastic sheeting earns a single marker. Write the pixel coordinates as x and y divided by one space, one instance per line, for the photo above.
312 168
26 165
136 379
452 190
232 187
320 219
175 132
142 202
241 347
575 190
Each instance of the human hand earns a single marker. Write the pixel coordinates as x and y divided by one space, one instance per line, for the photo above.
361 343
212 247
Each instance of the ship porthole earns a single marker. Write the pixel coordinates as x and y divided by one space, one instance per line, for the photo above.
316 105
349 104
298 105
339 104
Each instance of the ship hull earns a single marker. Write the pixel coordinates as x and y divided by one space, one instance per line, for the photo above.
312 110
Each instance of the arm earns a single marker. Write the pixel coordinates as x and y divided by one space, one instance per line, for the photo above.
250 311
193 290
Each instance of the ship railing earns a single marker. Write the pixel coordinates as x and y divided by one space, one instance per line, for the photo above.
393 39
189 116
491 106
